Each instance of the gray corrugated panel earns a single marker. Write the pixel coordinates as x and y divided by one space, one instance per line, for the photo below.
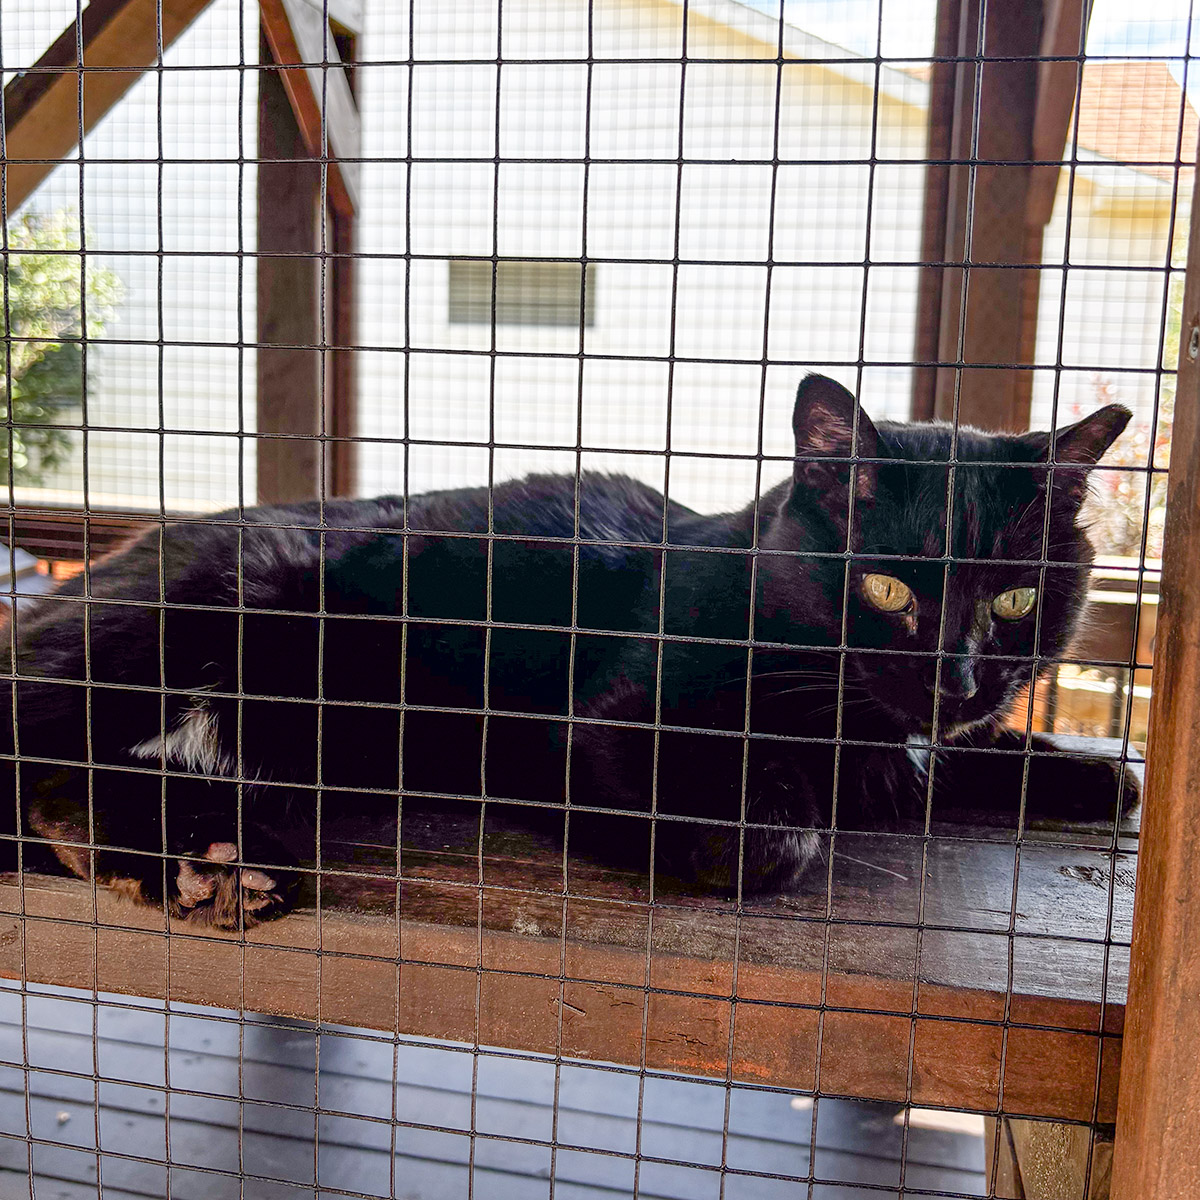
681 1119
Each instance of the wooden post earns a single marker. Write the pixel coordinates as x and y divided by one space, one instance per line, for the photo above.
997 115
341 386
306 309
939 141
1047 1160
290 203
1158 1119
986 209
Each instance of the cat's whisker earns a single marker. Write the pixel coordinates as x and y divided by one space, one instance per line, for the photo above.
816 687
794 671
862 697
797 674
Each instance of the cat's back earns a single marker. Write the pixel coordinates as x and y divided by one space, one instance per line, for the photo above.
560 548
597 508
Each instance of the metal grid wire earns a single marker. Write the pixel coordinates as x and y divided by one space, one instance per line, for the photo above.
725 224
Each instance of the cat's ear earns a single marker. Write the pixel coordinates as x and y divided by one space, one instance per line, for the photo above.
830 429
1079 447
1087 441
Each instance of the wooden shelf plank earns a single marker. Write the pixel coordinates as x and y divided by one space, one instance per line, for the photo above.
582 963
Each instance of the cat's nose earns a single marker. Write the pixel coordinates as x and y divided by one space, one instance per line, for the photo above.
958 680
959 689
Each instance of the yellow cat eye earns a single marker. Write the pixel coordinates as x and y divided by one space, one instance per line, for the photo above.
1015 603
887 593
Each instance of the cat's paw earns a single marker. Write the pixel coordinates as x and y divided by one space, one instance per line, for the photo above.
1065 788
210 886
771 854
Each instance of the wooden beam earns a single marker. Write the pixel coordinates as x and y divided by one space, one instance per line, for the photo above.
306 236
1047 1160
348 14
72 534
986 207
487 935
1057 87
1024 111
319 91
1159 1116
289 365
341 379
42 115
939 141
434 954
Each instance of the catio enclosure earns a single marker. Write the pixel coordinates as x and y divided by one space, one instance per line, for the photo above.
296 251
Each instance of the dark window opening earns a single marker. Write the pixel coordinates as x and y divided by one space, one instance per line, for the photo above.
526 293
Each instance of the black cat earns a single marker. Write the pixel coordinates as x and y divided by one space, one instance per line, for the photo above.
749 679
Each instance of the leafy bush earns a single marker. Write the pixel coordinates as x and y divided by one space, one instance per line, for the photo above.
42 372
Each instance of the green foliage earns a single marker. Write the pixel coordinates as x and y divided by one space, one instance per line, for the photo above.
41 375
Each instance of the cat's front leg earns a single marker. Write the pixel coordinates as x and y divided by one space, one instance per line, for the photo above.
987 773
202 878
702 832
765 845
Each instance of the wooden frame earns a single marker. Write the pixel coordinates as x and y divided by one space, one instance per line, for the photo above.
1155 1156
309 139
583 962
989 207
522 960
46 106
307 196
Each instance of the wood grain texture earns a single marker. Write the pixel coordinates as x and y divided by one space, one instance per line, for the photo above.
72 533
987 202
289 312
341 373
1000 1160
488 938
43 112
1155 1155
298 36
1063 34
1047 1160
306 232
934 210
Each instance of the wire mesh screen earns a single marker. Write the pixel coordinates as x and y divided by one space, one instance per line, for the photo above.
581 590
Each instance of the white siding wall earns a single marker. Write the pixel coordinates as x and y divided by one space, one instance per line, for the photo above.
1111 310
198 280
615 393
721 303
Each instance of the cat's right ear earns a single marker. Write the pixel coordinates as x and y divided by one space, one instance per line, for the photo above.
831 429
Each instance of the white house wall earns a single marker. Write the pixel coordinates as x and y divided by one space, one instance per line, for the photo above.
1112 305
830 296
199 379
734 212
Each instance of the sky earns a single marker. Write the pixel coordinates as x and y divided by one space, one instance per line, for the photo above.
1120 27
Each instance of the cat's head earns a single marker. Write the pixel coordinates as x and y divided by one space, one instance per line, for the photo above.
979 564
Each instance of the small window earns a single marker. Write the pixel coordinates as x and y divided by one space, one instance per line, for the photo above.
527 293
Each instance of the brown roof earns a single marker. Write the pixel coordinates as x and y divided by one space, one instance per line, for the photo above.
1130 112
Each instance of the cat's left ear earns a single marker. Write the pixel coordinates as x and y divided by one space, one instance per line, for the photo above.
831 429
1081 446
